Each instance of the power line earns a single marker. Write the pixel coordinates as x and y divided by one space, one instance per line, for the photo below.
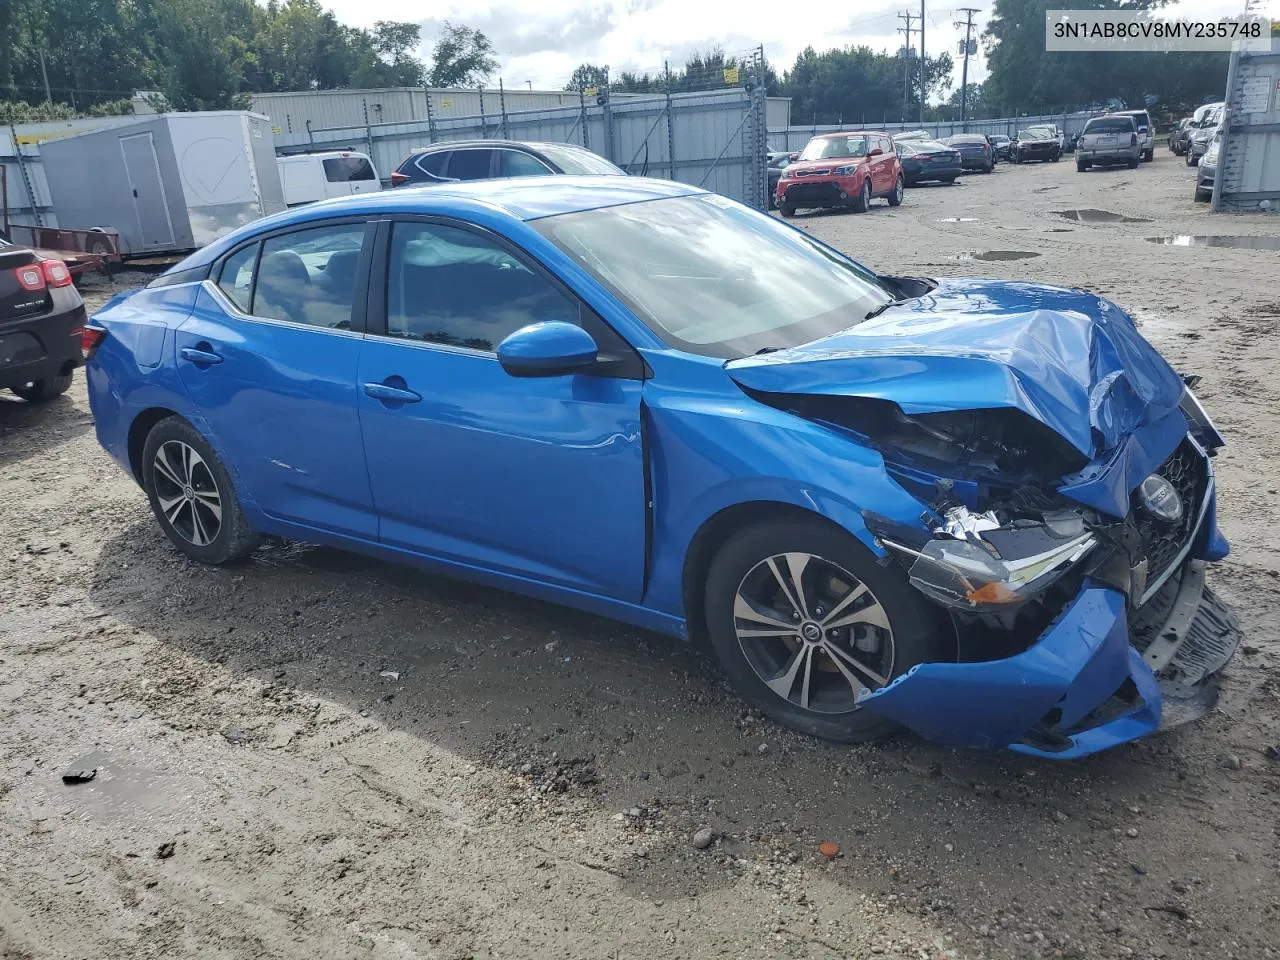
964 71
907 17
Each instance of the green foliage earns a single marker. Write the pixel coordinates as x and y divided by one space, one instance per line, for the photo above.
463 57
858 84
200 54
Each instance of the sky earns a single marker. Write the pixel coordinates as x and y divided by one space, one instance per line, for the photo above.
539 42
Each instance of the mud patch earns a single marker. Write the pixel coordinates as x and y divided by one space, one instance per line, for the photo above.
1210 240
1093 215
958 220
996 255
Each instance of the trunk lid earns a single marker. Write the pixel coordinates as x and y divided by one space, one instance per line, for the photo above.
16 300
1071 360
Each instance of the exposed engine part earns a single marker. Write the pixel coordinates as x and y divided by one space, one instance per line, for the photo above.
960 523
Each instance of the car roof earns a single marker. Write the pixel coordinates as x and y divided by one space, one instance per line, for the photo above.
850 133
509 144
323 155
518 198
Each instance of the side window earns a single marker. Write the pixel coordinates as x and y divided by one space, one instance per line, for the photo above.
236 278
470 164
886 145
513 163
346 169
432 164
310 276
452 286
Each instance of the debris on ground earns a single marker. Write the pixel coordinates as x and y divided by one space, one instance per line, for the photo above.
80 776
703 838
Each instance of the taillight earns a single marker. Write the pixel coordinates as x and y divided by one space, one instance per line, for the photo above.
91 338
398 178
31 277
985 148
56 273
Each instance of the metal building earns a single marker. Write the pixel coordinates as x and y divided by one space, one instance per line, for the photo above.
1248 175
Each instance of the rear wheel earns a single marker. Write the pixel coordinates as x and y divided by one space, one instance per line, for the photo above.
787 209
1149 155
863 200
38 391
192 496
1082 166
802 619
1133 164
895 198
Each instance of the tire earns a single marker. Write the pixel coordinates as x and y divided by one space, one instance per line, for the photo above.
988 168
1082 166
1132 164
1056 157
41 391
863 200
895 198
1149 155
787 210
1189 158
914 634
1203 196
204 498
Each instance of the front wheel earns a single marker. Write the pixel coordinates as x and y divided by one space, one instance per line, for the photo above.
191 495
1081 166
787 209
802 619
895 198
40 391
863 200
1133 164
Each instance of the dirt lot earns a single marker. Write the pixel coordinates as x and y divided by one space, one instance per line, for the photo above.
318 756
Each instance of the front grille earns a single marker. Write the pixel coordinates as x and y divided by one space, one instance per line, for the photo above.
816 192
812 173
1161 541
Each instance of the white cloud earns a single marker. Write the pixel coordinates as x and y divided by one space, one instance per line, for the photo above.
541 41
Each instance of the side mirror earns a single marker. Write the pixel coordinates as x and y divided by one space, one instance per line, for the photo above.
548 349
876 152
793 157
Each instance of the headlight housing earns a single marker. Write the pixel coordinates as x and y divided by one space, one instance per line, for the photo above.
976 564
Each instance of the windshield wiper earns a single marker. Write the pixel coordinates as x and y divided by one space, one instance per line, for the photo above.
880 309
767 350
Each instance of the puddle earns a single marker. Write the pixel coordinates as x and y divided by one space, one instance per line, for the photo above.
990 255
1207 240
958 220
1090 215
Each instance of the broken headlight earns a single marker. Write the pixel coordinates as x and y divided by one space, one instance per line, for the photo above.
1202 427
978 564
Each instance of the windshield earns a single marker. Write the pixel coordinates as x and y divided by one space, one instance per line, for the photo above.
1035 133
832 148
714 277
573 161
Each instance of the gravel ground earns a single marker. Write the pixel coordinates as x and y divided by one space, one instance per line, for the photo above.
316 755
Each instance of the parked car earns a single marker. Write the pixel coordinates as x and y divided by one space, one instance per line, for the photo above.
41 322
1108 140
880 500
1207 169
308 177
1146 132
1001 145
975 152
926 160
778 160
913 135
842 169
1035 144
489 159
1180 135
1202 135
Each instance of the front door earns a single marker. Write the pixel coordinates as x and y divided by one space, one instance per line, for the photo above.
269 357
538 477
149 200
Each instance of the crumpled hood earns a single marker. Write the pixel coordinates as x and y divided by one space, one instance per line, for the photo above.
1068 358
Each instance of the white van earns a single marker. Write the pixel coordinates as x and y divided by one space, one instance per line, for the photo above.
308 177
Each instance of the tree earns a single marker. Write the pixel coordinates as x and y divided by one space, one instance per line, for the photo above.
857 84
587 75
463 57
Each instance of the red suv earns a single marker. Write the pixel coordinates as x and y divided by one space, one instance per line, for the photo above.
839 169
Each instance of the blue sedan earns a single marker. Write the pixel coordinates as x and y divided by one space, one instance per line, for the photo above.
975 509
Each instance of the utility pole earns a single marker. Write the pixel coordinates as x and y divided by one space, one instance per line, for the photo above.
922 96
964 71
907 17
48 94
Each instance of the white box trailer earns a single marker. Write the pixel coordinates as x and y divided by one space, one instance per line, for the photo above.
166 183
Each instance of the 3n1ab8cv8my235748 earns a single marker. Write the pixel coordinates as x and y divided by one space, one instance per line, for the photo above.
981 510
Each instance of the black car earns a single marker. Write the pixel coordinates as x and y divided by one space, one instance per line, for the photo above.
777 161
925 160
41 322
975 152
1036 144
1001 144
486 159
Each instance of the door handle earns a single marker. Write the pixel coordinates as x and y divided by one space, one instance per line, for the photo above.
196 355
390 394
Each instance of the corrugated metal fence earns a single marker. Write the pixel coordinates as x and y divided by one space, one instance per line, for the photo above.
1249 159
715 140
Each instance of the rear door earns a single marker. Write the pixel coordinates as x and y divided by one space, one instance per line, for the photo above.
349 174
269 356
150 203
470 163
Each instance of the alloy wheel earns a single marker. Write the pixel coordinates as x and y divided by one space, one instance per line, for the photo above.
187 492
812 632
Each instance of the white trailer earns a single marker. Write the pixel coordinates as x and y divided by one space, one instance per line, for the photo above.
166 183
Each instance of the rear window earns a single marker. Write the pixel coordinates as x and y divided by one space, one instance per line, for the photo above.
1109 125
432 164
346 169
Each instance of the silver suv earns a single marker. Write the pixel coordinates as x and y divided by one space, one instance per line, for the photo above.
1110 139
1146 132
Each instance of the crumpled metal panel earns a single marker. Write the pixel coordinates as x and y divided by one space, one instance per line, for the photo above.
1076 665
1070 359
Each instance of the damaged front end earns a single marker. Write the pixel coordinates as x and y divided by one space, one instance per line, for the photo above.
1065 475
